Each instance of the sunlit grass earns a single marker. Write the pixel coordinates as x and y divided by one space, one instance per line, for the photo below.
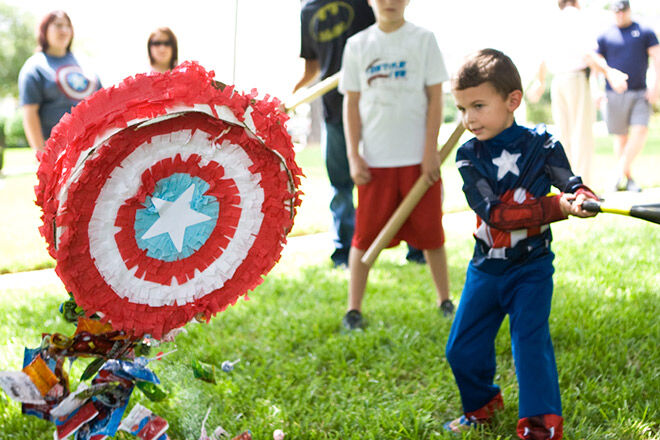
300 373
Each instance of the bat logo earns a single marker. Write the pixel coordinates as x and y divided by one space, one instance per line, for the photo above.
331 21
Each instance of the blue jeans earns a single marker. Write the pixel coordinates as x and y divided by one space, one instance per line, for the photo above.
341 204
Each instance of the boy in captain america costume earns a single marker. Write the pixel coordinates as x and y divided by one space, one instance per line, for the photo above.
507 172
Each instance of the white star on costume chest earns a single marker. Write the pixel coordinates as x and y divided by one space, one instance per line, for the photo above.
175 217
506 163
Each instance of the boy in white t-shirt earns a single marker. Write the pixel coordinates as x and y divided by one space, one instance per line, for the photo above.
392 74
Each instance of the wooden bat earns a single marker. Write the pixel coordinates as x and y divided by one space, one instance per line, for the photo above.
311 93
649 213
408 203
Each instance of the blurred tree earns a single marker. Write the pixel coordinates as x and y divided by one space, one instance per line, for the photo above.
541 112
14 134
449 111
17 43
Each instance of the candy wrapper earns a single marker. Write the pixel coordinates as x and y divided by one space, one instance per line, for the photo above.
217 433
20 387
228 366
144 424
203 371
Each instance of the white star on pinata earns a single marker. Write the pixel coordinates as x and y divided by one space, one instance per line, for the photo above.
506 163
175 217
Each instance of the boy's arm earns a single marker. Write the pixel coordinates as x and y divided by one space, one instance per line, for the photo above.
535 90
537 212
617 79
500 215
559 170
353 132
574 191
653 92
430 163
32 127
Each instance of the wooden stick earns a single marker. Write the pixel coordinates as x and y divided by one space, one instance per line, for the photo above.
408 203
311 93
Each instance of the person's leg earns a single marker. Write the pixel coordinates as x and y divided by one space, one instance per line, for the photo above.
376 201
619 142
584 135
634 145
640 114
626 149
423 229
471 344
415 255
437 260
341 203
562 113
617 116
528 305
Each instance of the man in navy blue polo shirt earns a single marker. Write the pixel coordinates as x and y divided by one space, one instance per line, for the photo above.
627 47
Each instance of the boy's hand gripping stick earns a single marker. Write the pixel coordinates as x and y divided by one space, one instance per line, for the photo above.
408 203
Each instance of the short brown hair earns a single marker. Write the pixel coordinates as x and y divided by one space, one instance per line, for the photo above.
43 29
172 38
488 65
563 3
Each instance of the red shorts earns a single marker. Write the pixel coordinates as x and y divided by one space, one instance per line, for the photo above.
378 199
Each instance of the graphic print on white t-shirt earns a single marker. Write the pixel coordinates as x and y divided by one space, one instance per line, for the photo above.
389 70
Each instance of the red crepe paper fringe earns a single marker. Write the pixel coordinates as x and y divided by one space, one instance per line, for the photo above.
110 111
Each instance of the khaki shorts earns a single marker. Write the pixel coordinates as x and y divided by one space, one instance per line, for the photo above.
626 109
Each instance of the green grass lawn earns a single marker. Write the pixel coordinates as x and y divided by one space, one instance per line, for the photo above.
299 373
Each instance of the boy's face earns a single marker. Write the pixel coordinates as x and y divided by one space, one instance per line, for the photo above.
484 111
389 10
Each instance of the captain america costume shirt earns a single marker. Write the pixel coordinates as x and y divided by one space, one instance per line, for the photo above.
506 182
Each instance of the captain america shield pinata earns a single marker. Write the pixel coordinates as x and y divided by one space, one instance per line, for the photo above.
167 197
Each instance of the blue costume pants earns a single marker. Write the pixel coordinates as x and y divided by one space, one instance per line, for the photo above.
341 204
524 292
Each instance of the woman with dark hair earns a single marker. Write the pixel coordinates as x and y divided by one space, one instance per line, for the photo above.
51 81
163 50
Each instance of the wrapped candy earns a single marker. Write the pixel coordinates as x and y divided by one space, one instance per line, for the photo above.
228 366
203 371
144 424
